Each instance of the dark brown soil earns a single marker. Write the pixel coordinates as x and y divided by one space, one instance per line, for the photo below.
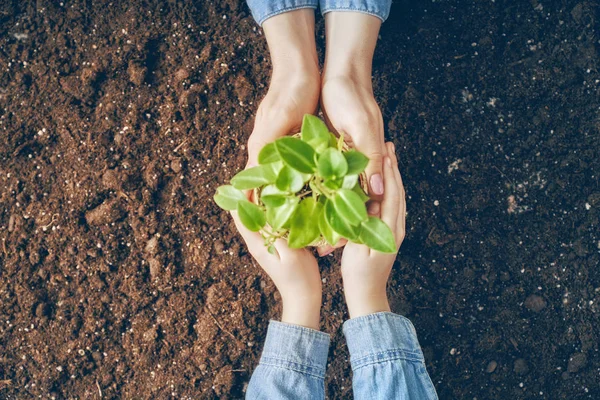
120 278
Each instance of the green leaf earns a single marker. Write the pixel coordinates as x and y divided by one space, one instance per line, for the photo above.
378 236
278 216
268 154
333 184
251 215
254 177
349 181
304 228
296 154
289 180
315 132
332 140
271 196
350 207
271 249
360 192
227 197
357 162
327 231
339 225
332 164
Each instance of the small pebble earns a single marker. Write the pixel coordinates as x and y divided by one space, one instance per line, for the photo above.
491 367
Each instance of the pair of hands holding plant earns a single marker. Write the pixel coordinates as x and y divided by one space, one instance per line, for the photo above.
349 106
365 272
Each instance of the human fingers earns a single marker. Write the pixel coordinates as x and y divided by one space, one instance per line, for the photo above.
390 206
401 222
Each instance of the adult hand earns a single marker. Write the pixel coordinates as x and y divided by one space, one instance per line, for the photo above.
295 81
347 96
365 272
295 273
347 99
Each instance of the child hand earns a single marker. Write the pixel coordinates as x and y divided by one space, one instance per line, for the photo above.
295 273
365 272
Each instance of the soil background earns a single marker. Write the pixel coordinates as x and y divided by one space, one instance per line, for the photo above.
120 277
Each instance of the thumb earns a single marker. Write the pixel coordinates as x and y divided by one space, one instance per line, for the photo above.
372 148
265 131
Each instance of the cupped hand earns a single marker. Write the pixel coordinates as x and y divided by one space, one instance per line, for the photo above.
295 273
365 272
349 107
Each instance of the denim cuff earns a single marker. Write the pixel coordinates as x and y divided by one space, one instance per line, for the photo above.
297 348
381 337
262 10
377 8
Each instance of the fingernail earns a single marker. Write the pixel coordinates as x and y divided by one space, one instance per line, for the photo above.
377 184
373 208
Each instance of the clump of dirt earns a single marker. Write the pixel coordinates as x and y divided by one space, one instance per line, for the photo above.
120 278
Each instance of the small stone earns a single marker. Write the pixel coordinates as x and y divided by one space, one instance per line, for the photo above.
520 367
576 362
181 75
150 335
155 268
42 310
107 212
219 246
491 367
11 223
535 303
152 246
176 165
110 179
137 72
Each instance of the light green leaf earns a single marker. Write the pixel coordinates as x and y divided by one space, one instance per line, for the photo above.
349 181
332 164
271 249
268 154
350 207
357 162
327 231
251 215
254 177
333 184
296 154
278 216
377 235
332 140
227 197
315 132
304 228
289 179
339 225
360 192
271 196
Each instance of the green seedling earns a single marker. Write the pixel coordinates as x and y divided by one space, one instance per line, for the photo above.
307 190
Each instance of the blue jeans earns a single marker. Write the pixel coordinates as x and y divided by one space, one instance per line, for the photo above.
263 9
387 361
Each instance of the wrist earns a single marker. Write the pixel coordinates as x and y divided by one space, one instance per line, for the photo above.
302 311
291 40
351 41
365 302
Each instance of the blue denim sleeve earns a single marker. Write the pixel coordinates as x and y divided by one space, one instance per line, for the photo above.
377 8
387 361
263 9
292 365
